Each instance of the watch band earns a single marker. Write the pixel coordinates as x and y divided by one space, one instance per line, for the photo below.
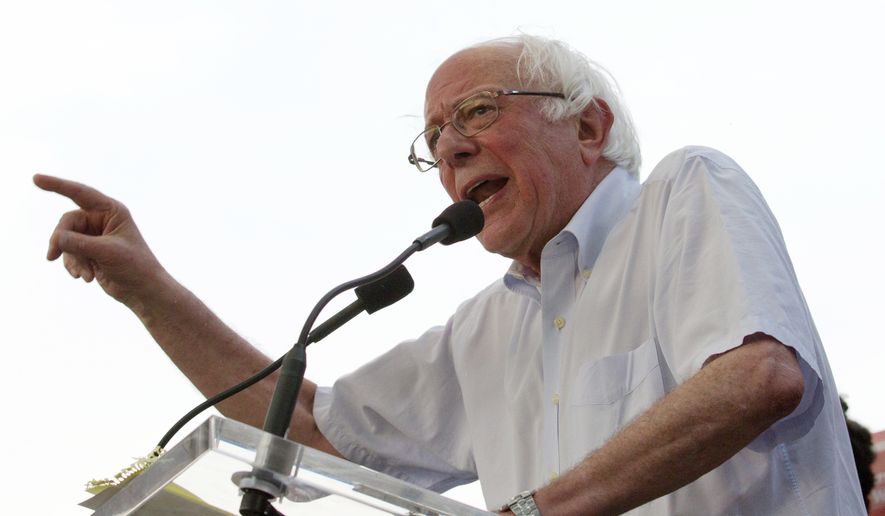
523 504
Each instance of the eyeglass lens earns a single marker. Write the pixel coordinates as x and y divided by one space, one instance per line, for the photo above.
470 117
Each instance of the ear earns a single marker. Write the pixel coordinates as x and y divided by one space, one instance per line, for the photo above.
594 123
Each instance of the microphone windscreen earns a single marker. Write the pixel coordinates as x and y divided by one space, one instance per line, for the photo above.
464 218
386 291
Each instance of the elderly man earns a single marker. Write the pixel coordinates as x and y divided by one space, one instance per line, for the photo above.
648 350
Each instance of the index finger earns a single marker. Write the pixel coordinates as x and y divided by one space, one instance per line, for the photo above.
86 197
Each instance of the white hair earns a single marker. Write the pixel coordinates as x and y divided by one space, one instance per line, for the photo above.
551 64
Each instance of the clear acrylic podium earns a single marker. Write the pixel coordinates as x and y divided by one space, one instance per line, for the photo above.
209 461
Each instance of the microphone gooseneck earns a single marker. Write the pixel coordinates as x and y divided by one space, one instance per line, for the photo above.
458 222
370 298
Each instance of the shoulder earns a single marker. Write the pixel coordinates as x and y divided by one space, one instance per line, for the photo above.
701 171
689 162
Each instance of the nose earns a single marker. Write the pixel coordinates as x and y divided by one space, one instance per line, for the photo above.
454 148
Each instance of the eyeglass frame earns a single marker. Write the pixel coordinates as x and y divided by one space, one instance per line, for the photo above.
415 160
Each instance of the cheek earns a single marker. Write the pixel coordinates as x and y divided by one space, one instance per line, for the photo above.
448 181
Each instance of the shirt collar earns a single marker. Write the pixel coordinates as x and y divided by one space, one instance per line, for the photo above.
604 208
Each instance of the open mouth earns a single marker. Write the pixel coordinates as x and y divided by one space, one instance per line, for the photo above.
482 192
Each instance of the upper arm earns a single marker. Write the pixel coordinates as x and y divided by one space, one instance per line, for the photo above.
765 373
304 427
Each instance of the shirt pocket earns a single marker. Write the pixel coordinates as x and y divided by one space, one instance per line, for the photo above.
615 378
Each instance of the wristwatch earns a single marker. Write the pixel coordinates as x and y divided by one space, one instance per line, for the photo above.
523 504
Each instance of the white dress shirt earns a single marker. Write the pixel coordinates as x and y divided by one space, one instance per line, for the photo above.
638 291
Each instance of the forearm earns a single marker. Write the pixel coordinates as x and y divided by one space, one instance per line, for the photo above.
101 241
214 357
691 431
206 350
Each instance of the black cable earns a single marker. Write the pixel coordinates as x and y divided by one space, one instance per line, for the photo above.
282 404
218 398
267 371
458 222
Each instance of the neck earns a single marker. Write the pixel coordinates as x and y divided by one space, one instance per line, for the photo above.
532 259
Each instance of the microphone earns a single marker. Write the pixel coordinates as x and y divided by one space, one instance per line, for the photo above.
458 222
385 291
371 297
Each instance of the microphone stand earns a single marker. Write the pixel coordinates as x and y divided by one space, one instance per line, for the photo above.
259 487
457 222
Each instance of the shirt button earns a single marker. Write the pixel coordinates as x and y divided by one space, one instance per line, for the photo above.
555 398
559 323
553 475
586 273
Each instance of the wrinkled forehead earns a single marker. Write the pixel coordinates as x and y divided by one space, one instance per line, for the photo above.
465 73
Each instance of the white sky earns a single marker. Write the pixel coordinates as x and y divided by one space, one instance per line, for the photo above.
261 147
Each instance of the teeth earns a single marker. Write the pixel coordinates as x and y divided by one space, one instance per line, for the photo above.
487 200
474 187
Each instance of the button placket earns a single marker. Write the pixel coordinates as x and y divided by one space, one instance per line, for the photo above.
557 298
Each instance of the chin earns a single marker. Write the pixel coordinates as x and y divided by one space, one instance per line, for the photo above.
496 243
489 243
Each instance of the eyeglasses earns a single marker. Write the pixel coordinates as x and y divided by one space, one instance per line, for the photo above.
470 117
